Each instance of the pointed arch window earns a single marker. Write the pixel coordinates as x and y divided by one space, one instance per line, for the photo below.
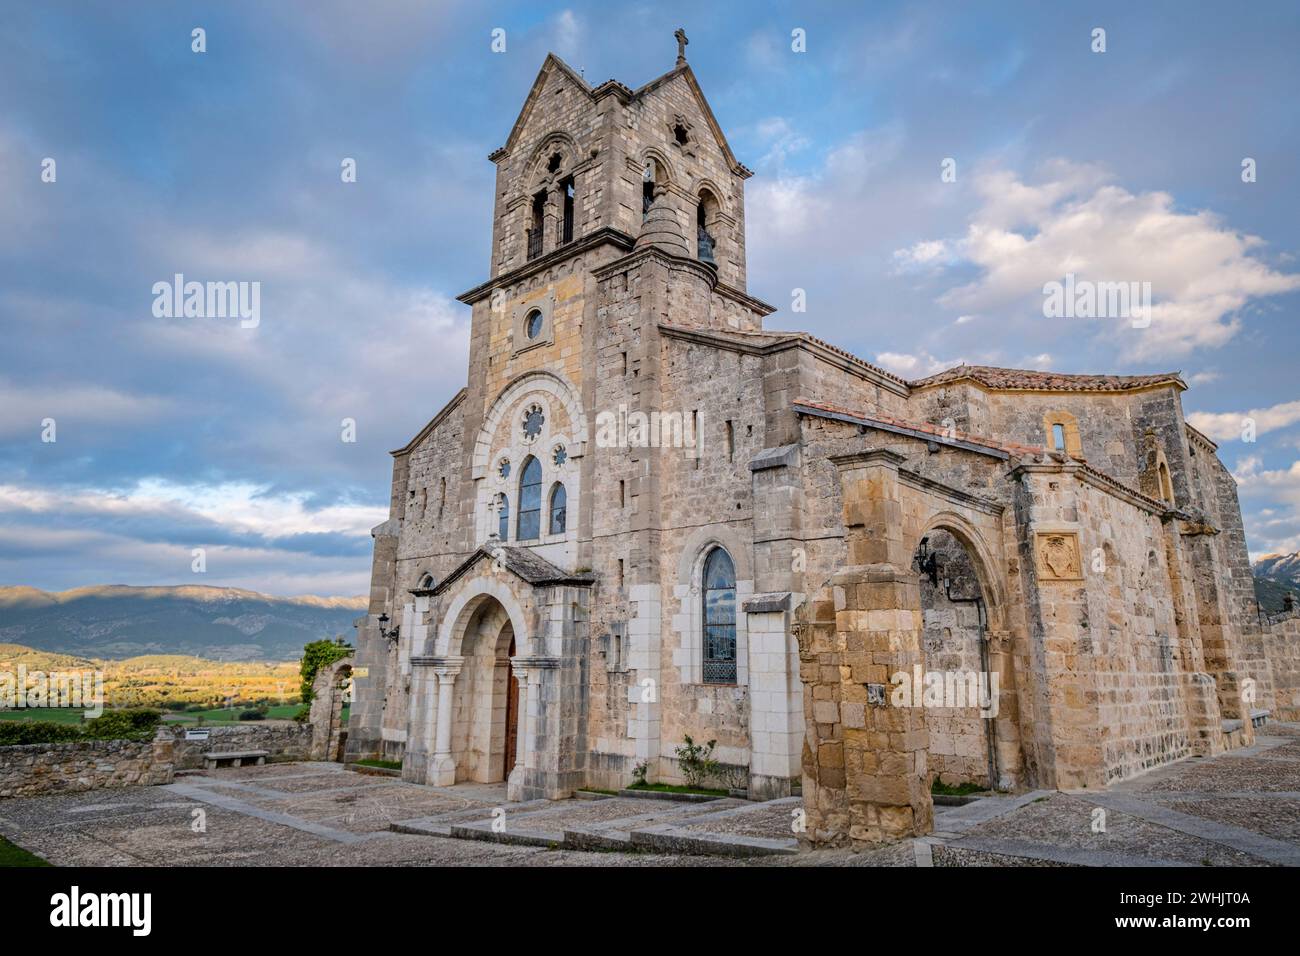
559 508
503 517
529 527
719 586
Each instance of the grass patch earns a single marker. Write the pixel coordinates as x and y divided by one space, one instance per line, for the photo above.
381 764
230 715
54 715
958 790
678 788
11 855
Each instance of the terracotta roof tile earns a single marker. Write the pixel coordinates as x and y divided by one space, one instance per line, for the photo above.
1018 379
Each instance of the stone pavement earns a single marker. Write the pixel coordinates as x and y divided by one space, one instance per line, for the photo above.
1242 808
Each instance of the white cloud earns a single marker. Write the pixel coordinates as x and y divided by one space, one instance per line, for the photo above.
914 366
23 409
1222 426
239 508
1202 273
568 34
922 254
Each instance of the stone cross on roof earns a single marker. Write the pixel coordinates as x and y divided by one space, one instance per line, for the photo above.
680 34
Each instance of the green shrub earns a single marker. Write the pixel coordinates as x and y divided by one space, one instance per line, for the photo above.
316 655
137 724
36 732
303 714
696 761
253 714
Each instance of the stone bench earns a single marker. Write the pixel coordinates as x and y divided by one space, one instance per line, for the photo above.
236 758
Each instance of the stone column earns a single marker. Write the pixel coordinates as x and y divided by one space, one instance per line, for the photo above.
537 761
551 219
865 762
442 770
515 783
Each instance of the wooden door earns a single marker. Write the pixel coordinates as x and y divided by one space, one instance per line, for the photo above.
512 713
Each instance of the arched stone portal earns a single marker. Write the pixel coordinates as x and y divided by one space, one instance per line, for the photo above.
331 689
961 662
965 628
482 710
477 719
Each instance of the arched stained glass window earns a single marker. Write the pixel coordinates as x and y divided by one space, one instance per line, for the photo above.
503 518
719 618
530 501
559 507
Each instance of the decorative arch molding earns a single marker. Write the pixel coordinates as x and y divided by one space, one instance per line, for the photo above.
704 183
536 173
659 156
460 612
549 383
688 622
992 586
701 540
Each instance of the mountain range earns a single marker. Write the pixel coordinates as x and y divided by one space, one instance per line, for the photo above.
1275 575
115 621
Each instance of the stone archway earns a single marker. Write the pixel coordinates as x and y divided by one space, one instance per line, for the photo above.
482 708
331 689
972 604
957 662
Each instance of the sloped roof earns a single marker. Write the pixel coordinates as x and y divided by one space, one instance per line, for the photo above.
769 339
1028 380
923 430
432 423
522 562
627 95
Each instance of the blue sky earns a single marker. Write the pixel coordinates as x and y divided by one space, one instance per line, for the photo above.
174 434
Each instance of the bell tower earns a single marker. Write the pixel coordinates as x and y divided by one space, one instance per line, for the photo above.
615 211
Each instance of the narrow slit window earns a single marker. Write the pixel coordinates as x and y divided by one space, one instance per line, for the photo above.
1058 436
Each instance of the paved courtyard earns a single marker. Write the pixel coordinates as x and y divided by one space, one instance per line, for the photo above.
1239 809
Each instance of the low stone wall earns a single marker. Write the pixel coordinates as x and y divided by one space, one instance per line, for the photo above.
28 770
1282 649
284 741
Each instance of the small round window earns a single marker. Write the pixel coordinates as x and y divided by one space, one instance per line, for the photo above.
533 324
559 456
503 469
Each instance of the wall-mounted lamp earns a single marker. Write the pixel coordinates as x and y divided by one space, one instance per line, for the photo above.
927 561
385 633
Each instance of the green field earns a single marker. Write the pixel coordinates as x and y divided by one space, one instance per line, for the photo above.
55 715
228 715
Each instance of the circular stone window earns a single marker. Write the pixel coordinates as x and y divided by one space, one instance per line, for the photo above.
533 422
503 469
533 324
559 456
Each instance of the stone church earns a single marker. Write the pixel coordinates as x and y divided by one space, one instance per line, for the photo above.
648 516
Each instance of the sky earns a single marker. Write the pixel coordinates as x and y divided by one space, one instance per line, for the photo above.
921 170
